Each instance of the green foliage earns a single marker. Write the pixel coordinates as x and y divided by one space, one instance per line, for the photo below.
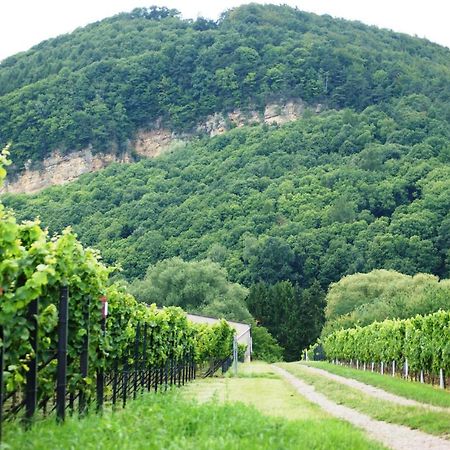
294 316
361 299
262 201
423 340
170 421
242 348
265 346
214 342
199 287
362 186
98 85
33 266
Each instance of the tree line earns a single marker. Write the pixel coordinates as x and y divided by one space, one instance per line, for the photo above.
98 85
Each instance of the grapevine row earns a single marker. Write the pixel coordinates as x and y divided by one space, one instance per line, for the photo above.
421 343
35 266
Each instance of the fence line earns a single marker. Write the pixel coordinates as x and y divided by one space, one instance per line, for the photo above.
116 386
394 368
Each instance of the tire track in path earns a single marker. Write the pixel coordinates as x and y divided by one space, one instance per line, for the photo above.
372 390
396 437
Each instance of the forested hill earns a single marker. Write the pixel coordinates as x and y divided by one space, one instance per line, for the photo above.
99 84
328 195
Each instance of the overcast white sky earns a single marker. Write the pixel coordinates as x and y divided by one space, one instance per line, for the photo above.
24 23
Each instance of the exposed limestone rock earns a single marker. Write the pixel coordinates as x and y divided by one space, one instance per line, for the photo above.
60 169
274 113
152 143
280 114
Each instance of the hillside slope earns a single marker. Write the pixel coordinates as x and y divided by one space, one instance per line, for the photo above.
319 198
96 87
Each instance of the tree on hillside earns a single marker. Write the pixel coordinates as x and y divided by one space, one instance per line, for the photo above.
200 287
294 316
363 298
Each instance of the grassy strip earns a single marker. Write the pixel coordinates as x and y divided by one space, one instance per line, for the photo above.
263 389
437 423
258 386
168 421
413 390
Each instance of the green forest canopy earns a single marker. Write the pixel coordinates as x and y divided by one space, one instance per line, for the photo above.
101 83
364 185
326 196
200 287
361 299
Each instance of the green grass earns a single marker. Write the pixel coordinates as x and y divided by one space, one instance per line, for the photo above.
437 423
259 387
170 421
423 393
263 389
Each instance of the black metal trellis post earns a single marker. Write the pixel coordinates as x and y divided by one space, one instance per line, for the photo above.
157 371
84 360
115 381
125 381
172 369
136 359
161 376
194 369
31 376
101 372
144 359
150 370
63 328
166 374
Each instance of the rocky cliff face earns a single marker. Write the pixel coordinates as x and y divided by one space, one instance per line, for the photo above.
274 113
60 169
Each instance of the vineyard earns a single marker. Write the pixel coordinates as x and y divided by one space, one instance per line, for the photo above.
418 347
70 336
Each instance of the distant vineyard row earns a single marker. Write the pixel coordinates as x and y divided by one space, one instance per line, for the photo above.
420 344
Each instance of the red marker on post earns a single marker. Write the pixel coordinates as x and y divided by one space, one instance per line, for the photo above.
104 301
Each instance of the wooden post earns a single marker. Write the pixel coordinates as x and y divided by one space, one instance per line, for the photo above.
115 381
100 388
101 371
144 359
